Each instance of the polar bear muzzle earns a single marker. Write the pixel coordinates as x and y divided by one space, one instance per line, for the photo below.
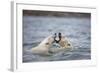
55 37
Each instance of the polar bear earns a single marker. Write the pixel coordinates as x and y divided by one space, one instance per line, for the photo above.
63 44
44 46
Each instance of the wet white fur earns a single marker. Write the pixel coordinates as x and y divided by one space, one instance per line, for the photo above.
44 46
63 45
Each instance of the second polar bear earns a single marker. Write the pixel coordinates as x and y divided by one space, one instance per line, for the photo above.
63 43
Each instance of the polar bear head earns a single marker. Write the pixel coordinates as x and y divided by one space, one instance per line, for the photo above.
47 42
63 41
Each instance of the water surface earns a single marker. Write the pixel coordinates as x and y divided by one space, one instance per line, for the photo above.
77 29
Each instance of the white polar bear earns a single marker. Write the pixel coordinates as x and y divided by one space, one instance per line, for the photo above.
44 46
63 45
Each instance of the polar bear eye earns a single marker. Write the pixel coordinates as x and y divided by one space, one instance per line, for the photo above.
68 44
47 43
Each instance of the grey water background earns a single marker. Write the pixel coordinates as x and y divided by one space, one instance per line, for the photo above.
37 25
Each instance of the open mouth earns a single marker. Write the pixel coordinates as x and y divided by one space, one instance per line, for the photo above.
55 37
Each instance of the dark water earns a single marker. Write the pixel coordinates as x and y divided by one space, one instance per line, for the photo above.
77 29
